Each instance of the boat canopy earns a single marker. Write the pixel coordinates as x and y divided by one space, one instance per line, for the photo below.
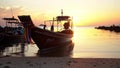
10 19
62 18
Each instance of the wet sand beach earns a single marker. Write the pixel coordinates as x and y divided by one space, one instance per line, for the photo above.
58 62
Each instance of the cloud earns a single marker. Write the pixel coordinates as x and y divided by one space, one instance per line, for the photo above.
9 12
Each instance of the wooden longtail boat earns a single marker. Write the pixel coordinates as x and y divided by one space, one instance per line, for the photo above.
49 41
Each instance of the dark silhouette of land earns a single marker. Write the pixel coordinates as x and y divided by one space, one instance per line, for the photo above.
113 28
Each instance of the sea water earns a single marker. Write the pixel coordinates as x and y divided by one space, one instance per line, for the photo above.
94 43
88 43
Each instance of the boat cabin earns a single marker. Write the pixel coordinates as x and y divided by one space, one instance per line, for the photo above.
61 18
59 23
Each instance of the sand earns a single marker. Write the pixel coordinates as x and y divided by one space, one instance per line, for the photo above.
58 62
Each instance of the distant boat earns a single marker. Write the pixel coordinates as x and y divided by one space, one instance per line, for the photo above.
9 34
49 41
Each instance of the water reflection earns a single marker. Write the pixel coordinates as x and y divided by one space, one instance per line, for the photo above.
17 49
57 54
28 50
90 42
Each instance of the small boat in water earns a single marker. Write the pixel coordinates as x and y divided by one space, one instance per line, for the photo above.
50 41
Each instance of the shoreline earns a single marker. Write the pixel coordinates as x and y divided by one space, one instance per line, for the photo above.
58 62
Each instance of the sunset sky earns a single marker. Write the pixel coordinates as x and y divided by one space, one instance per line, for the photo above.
84 12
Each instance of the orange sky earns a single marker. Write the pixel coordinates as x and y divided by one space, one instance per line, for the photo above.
84 12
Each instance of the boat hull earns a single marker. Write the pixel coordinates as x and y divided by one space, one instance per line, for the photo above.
52 42
11 39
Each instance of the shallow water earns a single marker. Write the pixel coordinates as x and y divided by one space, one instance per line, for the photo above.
89 43
94 43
